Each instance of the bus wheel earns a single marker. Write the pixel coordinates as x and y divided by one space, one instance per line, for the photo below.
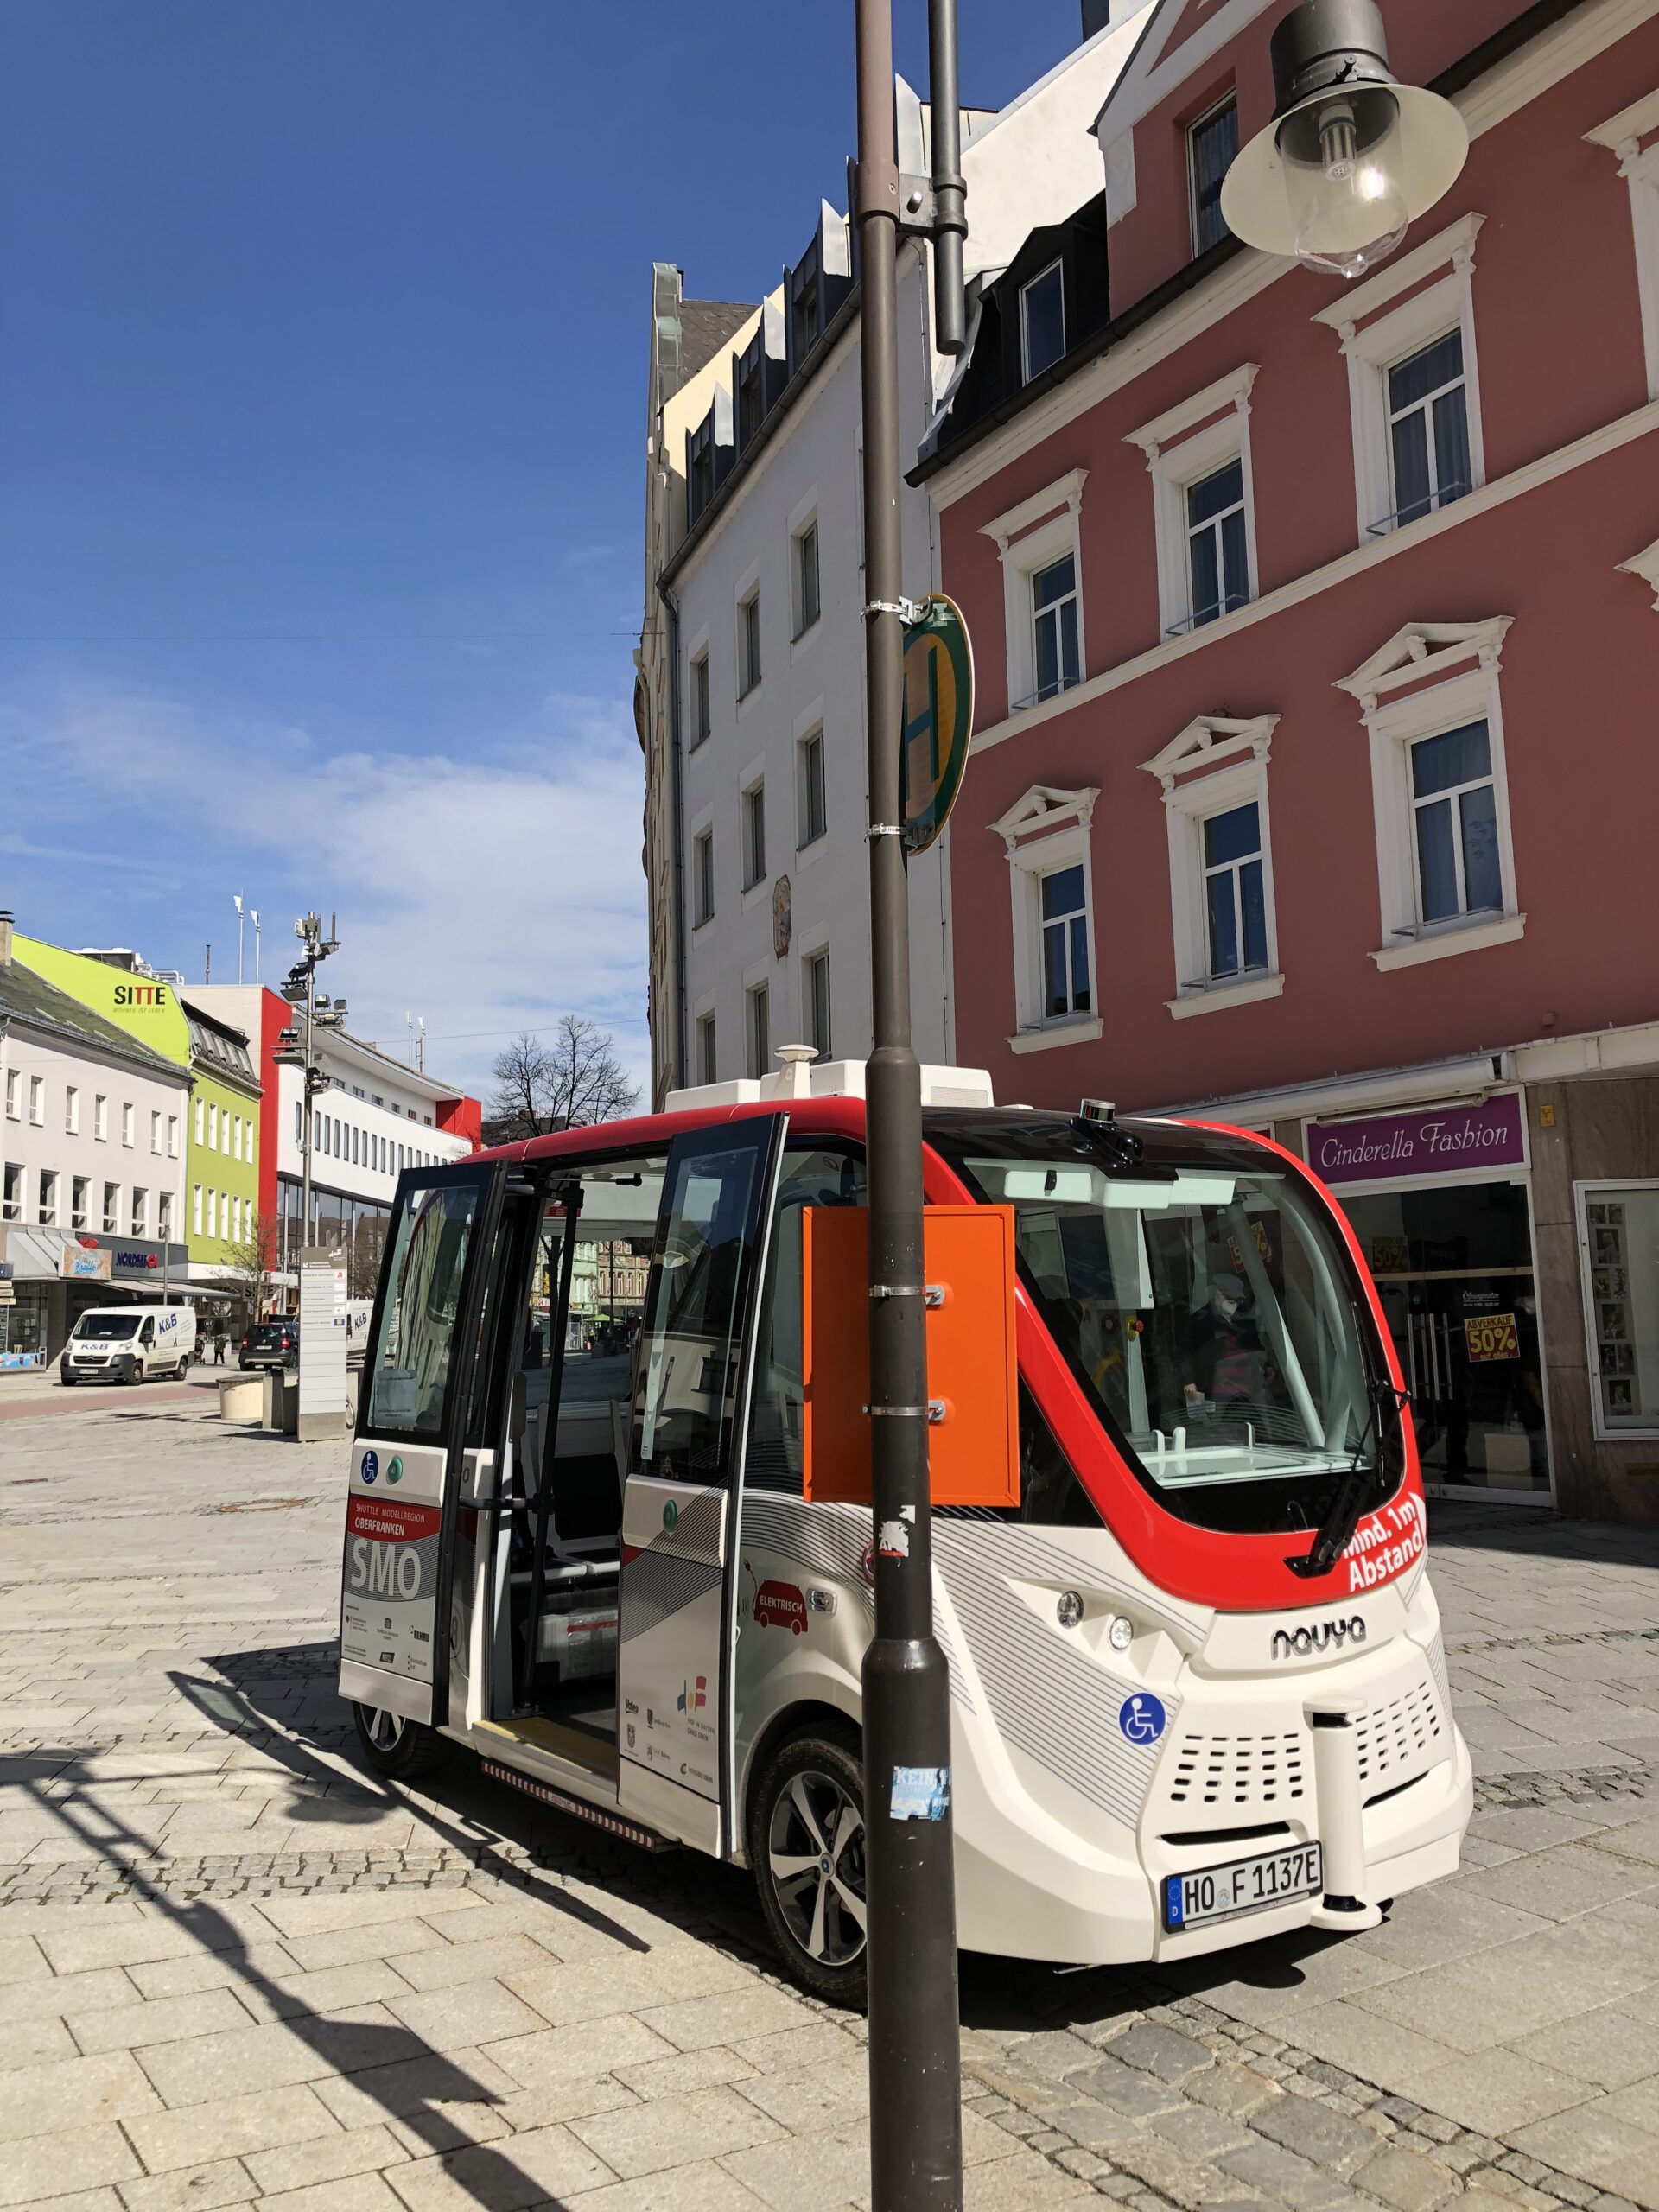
806 1847
399 1748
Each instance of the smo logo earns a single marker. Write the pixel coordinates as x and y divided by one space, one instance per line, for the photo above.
1309 1637
385 1570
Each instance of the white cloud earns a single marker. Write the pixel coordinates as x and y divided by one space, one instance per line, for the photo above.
488 894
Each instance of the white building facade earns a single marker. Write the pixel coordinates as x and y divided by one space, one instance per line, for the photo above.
757 802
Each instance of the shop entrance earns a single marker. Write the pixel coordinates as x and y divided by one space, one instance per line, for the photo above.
1453 1266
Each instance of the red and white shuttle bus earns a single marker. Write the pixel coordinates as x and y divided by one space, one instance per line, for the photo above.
1197 1687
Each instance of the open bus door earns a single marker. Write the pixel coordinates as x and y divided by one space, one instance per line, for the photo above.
407 1457
696 1363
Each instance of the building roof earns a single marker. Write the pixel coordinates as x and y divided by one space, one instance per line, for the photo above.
216 1044
29 999
705 326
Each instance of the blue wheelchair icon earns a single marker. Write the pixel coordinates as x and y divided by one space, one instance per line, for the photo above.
1142 1717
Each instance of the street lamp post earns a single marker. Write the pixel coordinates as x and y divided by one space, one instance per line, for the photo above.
915 2046
296 1047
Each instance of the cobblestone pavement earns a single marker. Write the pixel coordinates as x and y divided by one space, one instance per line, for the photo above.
232 1967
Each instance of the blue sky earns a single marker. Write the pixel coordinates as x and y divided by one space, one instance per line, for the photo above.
322 365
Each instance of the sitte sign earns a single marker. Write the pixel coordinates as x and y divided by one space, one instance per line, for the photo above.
1436 1141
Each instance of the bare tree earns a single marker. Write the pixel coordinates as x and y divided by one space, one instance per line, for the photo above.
252 1261
569 1083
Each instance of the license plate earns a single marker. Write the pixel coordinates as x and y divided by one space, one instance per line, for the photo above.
1241 1886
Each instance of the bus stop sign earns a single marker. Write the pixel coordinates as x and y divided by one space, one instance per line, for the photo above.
939 719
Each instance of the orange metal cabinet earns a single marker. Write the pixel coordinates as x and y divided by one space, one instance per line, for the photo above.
972 1367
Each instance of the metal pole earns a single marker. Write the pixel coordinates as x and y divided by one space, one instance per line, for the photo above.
949 193
915 2052
306 1236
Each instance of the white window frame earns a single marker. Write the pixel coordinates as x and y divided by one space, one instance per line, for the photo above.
1030 537
1605 1432
14 1185
164 1217
811 955
80 1202
156 1131
1045 830
48 1208
196 1211
1622 134
1050 268
138 1211
703 877
1448 692
705 1031
810 727
111 1214
1183 446
754 786
101 1118
201 1121
1229 99
14 1095
37 1101
748 595
172 1136
129 1126
803 519
1373 347
72 1109
1215 764
754 994
699 727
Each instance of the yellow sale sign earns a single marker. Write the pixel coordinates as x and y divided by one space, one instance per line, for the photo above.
1492 1336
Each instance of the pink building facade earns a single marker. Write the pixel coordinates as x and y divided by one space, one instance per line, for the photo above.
1316 767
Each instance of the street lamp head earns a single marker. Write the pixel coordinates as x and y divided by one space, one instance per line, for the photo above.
1352 156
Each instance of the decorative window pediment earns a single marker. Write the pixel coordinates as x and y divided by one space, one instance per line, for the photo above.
1645 564
1425 653
1043 809
1207 741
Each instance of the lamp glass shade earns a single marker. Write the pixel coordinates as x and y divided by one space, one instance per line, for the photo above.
1337 180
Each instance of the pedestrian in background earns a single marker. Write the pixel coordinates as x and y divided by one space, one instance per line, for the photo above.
218 1342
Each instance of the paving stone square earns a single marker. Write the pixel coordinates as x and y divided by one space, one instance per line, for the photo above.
235 1968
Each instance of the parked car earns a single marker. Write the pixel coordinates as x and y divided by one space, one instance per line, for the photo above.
270 1344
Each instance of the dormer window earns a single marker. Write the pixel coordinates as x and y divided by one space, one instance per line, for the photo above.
1042 321
699 469
751 397
1212 143
818 284
808 328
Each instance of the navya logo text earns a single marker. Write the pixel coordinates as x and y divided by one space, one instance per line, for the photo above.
1309 1637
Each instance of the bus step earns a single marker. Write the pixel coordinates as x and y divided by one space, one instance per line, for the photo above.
613 1823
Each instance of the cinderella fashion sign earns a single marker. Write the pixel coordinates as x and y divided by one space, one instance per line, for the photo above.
1441 1140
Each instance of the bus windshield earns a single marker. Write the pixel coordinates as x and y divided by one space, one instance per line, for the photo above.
1211 1314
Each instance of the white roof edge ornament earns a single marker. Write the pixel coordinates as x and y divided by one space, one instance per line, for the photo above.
941 1086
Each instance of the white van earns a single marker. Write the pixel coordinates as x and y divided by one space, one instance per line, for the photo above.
130 1344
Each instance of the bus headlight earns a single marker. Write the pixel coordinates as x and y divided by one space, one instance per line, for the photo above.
1121 1633
1069 1610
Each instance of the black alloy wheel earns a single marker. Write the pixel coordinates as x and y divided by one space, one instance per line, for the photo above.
806 1850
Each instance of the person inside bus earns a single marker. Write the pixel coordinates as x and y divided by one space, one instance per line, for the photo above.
1223 1355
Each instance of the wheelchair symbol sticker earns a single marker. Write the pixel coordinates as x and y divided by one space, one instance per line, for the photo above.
1142 1717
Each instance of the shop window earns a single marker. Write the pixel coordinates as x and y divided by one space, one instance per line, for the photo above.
1413 393
1047 835
111 1208
11 1193
1211 148
80 1202
1619 1239
1446 862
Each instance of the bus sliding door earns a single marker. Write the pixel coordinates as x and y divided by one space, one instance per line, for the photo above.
696 1363
407 1454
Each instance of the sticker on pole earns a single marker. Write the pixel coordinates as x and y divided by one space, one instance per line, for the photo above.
939 720
920 1793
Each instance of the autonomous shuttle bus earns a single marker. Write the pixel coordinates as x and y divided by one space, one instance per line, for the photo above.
1197 1687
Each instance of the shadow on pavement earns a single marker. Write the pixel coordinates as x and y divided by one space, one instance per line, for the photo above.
1474 1524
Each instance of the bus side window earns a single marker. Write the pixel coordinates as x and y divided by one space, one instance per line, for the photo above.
812 1176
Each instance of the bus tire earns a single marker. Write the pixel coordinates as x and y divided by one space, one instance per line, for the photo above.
400 1750
806 1849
